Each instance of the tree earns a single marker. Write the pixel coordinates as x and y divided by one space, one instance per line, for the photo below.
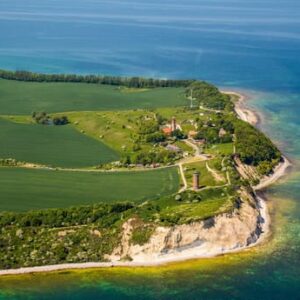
179 134
156 137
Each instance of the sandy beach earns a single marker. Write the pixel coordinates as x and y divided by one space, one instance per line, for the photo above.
253 118
196 252
242 111
279 172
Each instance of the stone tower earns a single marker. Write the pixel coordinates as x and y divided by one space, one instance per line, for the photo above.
173 124
196 181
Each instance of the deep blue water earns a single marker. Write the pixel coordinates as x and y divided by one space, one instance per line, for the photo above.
253 44
247 45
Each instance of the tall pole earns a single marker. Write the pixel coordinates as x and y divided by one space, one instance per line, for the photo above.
191 98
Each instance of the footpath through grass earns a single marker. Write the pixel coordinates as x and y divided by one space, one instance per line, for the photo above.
27 189
25 97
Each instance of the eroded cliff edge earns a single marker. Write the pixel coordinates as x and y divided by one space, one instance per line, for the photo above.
223 233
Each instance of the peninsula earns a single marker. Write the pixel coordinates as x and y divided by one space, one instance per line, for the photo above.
103 171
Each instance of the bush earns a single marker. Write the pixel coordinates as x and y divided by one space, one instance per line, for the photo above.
44 119
141 235
63 120
156 137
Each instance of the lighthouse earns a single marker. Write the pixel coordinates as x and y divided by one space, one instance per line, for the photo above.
196 181
173 124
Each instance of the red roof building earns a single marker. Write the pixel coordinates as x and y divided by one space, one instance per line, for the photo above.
167 130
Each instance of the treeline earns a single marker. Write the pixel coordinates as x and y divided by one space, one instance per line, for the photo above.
63 217
131 82
208 95
254 148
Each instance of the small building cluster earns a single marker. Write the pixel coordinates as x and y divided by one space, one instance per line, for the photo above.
169 128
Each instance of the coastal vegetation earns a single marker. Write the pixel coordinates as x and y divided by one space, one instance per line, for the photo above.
208 95
130 82
254 148
55 236
90 233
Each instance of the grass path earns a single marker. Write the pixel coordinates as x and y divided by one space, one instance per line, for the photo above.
185 185
215 174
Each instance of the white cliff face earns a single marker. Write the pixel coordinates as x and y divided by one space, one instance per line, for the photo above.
224 233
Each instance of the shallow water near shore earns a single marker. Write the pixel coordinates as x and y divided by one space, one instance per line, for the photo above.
250 46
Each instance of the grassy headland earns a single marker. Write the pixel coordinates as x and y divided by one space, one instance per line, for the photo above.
122 125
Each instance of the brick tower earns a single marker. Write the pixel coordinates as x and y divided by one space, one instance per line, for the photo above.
173 124
196 181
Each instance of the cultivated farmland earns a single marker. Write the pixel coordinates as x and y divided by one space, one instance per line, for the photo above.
25 97
59 146
27 189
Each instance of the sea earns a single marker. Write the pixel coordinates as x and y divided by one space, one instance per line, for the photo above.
251 46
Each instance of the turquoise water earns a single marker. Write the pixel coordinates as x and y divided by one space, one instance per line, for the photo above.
246 45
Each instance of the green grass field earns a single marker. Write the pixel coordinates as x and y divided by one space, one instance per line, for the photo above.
220 149
26 189
117 128
25 97
213 201
61 146
206 178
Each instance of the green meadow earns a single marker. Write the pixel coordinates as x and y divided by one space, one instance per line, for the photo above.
117 128
213 201
27 189
25 97
59 146
206 178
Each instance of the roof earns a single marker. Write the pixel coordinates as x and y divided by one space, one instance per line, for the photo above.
173 148
167 130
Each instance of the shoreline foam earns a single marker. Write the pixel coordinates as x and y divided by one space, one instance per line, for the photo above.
244 114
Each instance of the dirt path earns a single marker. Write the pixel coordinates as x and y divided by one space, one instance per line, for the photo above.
185 185
214 173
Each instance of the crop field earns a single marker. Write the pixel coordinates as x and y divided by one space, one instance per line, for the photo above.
25 97
27 189
61 146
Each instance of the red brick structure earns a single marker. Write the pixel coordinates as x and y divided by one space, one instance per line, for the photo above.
196 181
167 131
173 124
